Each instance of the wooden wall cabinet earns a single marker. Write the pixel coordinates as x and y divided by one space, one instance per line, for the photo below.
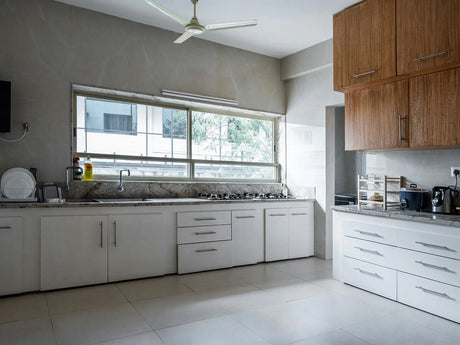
428 34
364 43
376 118
434 104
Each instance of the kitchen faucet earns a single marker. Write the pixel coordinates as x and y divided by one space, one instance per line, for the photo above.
67 184
120 186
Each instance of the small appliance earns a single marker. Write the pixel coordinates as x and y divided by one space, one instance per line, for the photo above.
412 198
444 199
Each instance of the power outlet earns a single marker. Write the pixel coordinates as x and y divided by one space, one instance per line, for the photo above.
452 171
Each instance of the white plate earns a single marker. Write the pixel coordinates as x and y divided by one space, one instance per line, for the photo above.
17 183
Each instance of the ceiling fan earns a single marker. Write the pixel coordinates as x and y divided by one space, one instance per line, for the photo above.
194 28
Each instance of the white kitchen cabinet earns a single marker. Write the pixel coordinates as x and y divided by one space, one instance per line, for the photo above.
301 232
73 251
135 246
10 255
276 234
197 257
245 225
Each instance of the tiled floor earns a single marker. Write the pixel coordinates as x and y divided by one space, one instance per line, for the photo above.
289 302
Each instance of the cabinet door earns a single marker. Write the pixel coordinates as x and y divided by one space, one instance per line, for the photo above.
73 251
136 246
434 105
244 237
377 117
276 234
10 255
364 43
428 34
301 232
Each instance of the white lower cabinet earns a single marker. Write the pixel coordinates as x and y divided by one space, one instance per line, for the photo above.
276 234
206 256
73 251
136 246
10 255
245 239
301 232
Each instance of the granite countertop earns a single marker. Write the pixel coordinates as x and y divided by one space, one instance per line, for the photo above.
422 217
141 202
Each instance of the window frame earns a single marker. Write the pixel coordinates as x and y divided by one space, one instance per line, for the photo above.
188 161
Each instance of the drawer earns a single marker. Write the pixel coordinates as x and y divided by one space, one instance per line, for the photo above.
370 277
199 234
371 231
429 242
204 256
433 297
376 253
434 267
203 218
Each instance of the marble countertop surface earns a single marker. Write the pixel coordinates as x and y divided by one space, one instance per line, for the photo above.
422 217
140 202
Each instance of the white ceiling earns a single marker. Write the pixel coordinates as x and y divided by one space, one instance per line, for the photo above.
284 26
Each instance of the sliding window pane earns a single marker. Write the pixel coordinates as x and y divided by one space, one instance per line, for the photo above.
236 172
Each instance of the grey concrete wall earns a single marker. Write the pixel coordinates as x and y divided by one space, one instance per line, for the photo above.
45 46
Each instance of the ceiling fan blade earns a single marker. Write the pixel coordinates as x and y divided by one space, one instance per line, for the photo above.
185 36
232 25
166 11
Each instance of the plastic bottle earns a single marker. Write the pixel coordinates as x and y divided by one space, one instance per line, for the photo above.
88 175
76 173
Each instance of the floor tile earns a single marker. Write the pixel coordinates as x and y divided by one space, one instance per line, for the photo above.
97 325
154 287
261 274
293 289
216 331
211 280
91 297
338 337
149 338
29 332
29 306
307 269
176 310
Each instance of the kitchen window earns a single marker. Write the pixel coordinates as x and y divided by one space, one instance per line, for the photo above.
157 141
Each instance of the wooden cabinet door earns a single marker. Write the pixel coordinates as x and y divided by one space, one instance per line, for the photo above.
364 43
301 232
73 251
245 230
136 246
276 234
434 109
428 34
376 118
10 255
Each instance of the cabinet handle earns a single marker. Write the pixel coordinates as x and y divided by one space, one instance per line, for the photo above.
244 217
206 250
369 251
277 215
373 234
431 56
432 292
115 233
435 246
445 269
299 214
363 74
368 273
5 227
101 233
401 139
206 233
200 219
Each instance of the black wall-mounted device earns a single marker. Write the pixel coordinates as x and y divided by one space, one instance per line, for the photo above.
5 106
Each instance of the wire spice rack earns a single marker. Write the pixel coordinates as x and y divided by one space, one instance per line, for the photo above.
373 190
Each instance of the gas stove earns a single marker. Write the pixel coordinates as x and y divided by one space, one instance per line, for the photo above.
245 196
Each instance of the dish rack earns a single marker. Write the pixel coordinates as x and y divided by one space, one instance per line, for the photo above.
383 186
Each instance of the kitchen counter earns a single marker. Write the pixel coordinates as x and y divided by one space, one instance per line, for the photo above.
422 217
142 202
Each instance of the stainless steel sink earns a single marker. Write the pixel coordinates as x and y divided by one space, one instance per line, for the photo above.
80 201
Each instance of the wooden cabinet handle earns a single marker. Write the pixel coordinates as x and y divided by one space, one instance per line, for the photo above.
363 74
401 139
431 56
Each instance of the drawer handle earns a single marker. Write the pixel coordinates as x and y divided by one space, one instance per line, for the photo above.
431 292
201 219
368 273
277 215
435 246
244 217
102 231
206 250
369 251
5 227
299 214
373 234
363 74
206 233
445 269
401 139
431 56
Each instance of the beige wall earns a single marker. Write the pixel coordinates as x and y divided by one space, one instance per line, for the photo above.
45 46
